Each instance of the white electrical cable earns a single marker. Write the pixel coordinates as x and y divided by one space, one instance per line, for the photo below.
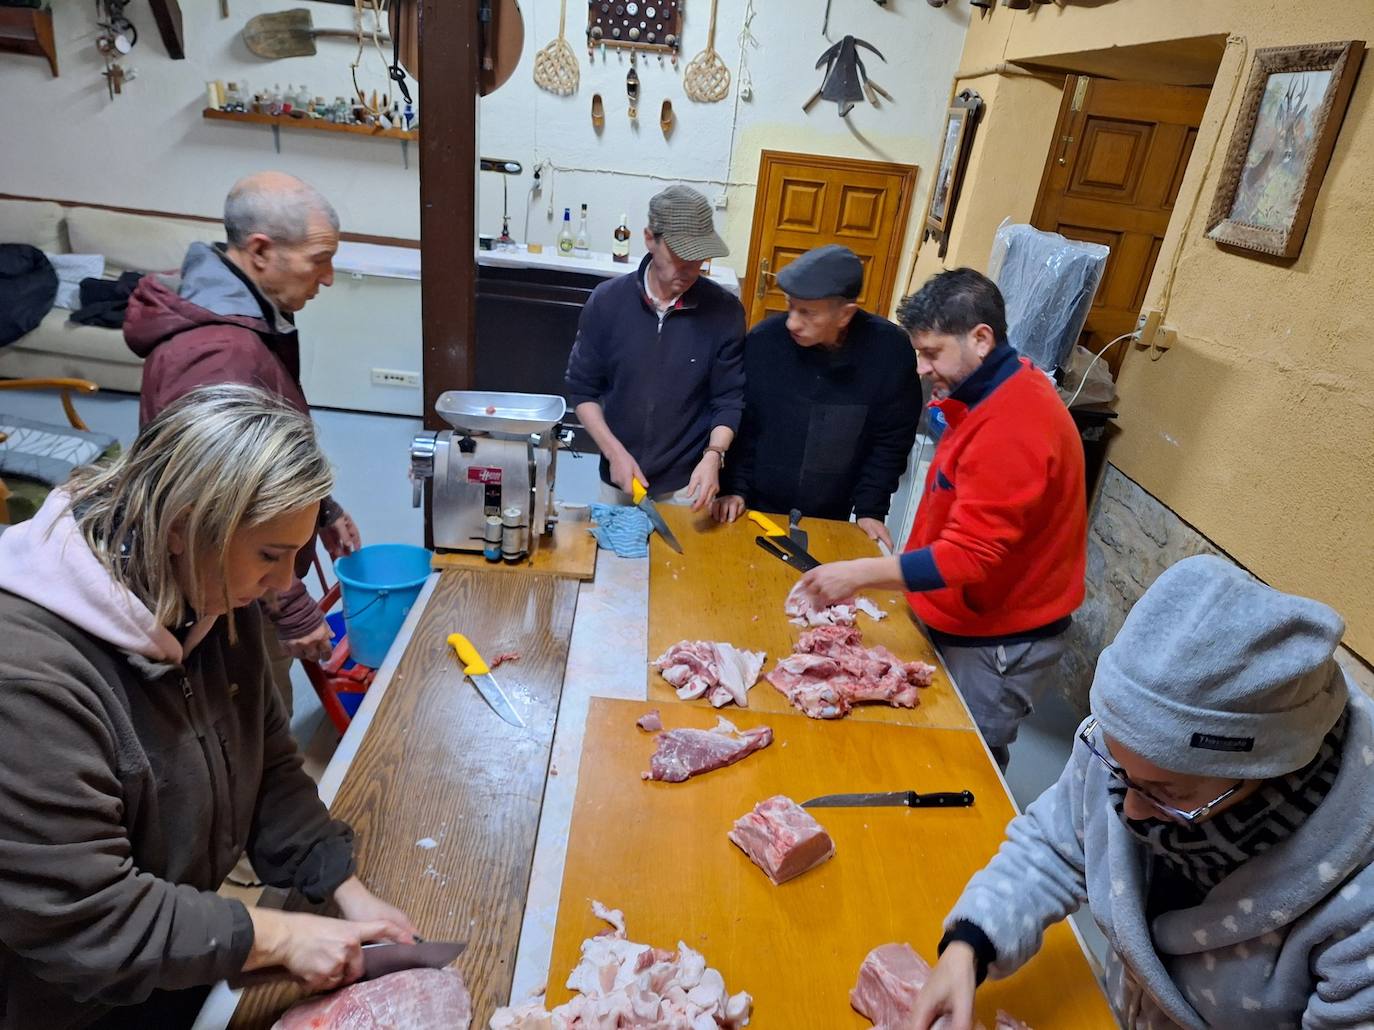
1083 382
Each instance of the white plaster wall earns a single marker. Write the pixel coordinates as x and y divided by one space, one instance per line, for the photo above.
150 148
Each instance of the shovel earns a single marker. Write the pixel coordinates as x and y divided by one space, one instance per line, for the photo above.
288 34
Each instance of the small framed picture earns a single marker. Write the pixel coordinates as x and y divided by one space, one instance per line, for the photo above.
1289 118
960 121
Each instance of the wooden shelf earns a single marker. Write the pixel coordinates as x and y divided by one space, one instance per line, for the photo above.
26 31
282 121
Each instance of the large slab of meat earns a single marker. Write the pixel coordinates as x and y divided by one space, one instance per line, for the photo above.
802 612
416 999
721 673
684 753
890 981
622 985
831 671
782 838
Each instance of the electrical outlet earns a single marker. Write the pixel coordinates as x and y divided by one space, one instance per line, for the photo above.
1165 338
721 200
394 377
1147 325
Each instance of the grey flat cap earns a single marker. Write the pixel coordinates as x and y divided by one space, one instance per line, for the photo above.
830 271
682 216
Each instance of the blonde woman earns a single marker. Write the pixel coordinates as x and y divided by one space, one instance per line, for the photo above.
144 745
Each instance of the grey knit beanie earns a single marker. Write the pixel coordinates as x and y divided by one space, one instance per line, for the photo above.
1216 674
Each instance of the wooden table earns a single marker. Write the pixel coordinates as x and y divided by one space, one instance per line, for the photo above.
659 852
727 588
438 763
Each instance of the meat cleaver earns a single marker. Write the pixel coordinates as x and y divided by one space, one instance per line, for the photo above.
903 798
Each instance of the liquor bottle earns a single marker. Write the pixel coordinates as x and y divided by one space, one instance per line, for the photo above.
581 248
620 249
565 236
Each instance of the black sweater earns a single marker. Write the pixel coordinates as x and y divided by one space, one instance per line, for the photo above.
662 383
826 431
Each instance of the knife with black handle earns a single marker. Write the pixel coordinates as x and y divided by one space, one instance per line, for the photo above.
899 798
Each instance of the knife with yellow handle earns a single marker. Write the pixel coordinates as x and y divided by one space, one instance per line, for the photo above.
476 669
769 527
646 504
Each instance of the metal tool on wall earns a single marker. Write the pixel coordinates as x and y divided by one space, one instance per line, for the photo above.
706 79
290 34
846 79
555 66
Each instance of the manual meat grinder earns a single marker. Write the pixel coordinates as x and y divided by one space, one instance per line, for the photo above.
492 474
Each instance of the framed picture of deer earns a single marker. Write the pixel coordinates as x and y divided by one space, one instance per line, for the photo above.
1289 119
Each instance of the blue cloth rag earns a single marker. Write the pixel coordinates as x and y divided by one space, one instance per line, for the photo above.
622 529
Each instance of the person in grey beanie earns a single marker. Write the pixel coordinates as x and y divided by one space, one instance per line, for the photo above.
1213 816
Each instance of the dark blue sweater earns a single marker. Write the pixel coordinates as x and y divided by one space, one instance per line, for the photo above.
662 384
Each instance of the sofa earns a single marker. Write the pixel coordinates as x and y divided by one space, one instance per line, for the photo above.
59 348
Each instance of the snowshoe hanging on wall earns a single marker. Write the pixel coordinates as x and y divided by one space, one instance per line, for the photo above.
846 80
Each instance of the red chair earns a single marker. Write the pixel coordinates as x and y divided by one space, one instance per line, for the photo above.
330 678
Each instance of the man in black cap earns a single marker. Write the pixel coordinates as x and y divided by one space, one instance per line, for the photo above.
831 402
657 371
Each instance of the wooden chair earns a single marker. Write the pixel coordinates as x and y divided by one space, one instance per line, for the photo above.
65 388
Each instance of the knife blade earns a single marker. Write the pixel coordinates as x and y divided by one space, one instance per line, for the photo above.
903 798
646 504
477 670
794 529
385 957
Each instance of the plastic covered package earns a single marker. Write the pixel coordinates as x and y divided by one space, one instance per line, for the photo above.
1048 283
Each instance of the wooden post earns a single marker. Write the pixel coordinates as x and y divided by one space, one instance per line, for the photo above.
167 14
449 37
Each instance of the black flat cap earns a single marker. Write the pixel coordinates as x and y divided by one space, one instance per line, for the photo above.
830 271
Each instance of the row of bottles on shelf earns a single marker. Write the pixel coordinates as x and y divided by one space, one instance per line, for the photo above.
298 102
579 245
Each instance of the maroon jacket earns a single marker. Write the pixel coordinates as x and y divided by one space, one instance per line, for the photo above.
217 328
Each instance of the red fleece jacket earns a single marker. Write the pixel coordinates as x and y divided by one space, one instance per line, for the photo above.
1004 518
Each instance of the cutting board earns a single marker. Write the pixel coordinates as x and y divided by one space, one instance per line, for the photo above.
659 852
725 587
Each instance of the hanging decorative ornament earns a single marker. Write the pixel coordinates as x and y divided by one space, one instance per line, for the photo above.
707 79
632 89
555 67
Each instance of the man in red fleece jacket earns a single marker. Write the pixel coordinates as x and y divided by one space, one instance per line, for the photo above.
995 563
230 319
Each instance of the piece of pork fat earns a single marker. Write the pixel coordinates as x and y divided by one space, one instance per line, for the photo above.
890 981
684 753
782 838
719 672
418 999
801 611
622 985
650 721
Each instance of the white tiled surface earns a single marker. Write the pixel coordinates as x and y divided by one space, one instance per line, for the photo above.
606 658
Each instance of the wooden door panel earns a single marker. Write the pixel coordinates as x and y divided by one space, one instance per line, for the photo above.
805 201
1112 177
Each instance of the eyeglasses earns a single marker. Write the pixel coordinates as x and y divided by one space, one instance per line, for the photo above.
1189 817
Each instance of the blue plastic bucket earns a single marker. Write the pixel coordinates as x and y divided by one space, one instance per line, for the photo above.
380 583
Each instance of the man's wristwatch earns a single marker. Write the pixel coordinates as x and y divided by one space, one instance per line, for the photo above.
718 451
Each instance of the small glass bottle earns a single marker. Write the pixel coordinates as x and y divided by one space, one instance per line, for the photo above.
620 249
565 235
581 247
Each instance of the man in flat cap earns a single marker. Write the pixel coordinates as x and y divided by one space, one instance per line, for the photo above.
831 402
657 371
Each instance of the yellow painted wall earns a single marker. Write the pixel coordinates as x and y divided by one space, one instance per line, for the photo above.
1258 427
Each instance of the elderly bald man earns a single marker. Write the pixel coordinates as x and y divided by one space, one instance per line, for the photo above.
230 319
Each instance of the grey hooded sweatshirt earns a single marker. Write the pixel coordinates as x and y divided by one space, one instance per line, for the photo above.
1285 941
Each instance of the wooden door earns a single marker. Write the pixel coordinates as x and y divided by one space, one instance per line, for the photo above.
1112 177
807 201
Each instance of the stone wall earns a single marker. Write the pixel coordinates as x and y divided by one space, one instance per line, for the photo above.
1132 538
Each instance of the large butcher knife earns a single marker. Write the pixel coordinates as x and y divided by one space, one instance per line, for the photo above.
380 959
646 504
904 798
475 667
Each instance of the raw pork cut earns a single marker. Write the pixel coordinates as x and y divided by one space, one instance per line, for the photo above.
622 985
782 838
802 612
504 657
890 981
416 999
684 753
650 721
831 671
719 672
